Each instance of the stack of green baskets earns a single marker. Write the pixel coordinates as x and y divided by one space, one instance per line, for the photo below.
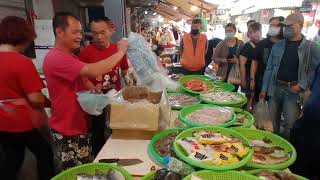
275 140
228 132
90 168
190 109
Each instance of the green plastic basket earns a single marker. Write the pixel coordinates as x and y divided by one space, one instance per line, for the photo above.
200 76
228 132
184 79
158 136
276 140
255 171
180 107
149 176
248 115
225 86
90 168
189 109
228 175
232 104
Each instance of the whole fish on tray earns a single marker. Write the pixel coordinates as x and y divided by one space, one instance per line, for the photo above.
210 115
196 85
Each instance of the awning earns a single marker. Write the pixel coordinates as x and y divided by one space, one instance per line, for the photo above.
181 9
277 4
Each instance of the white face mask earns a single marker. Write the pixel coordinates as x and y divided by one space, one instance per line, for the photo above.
274 31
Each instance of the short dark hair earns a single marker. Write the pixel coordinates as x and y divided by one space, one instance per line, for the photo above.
15 31
255 27
231 25
60 20
196 21
250 22
280 18
101 19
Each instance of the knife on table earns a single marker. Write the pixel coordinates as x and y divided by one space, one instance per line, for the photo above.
122 162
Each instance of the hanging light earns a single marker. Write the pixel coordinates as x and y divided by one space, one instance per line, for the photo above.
146 12
155 13
175 8
194 8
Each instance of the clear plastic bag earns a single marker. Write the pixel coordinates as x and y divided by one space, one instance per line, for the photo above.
95 103
262 116
234 76
146 64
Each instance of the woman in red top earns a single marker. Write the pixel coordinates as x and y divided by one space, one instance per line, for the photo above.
21 102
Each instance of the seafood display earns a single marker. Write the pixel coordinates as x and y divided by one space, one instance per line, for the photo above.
165 174
196 85
213 148
241 119
164 146
223 97
111 174
266 153
179 100
210 115
271 175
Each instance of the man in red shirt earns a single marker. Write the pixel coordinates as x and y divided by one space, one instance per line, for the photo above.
100 49
64 73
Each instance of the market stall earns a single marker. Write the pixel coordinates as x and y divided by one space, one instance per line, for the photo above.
192 126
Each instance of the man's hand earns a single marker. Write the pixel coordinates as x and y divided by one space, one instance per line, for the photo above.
96 91
295 89
252 84
234 60
123 45
243 84
263 95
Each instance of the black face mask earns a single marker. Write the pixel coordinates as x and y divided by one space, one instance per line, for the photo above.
195 31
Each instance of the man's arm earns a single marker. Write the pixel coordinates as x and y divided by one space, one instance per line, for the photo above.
253 72
105 66
243 61
267 74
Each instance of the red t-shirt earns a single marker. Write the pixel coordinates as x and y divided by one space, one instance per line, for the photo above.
91 54
62 72
18 78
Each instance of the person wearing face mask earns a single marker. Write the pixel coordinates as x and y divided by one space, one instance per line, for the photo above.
289 72
247 55
227 52
193 49
263 50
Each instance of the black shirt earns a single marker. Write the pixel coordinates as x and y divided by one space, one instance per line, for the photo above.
212 43
248 51
263 51
289 66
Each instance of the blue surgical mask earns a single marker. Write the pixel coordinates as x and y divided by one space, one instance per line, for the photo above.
288 32
230 36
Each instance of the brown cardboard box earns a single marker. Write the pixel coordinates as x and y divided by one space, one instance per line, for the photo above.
136 114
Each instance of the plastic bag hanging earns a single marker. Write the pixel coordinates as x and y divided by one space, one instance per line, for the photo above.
262 116
234 75
146 64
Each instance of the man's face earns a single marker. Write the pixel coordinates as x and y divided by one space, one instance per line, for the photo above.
196 26
101 34
255 36
71 35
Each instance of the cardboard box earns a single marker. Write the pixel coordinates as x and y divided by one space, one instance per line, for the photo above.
140 111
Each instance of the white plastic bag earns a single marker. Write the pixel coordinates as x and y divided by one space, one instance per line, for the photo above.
234 75
95 103
262 116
